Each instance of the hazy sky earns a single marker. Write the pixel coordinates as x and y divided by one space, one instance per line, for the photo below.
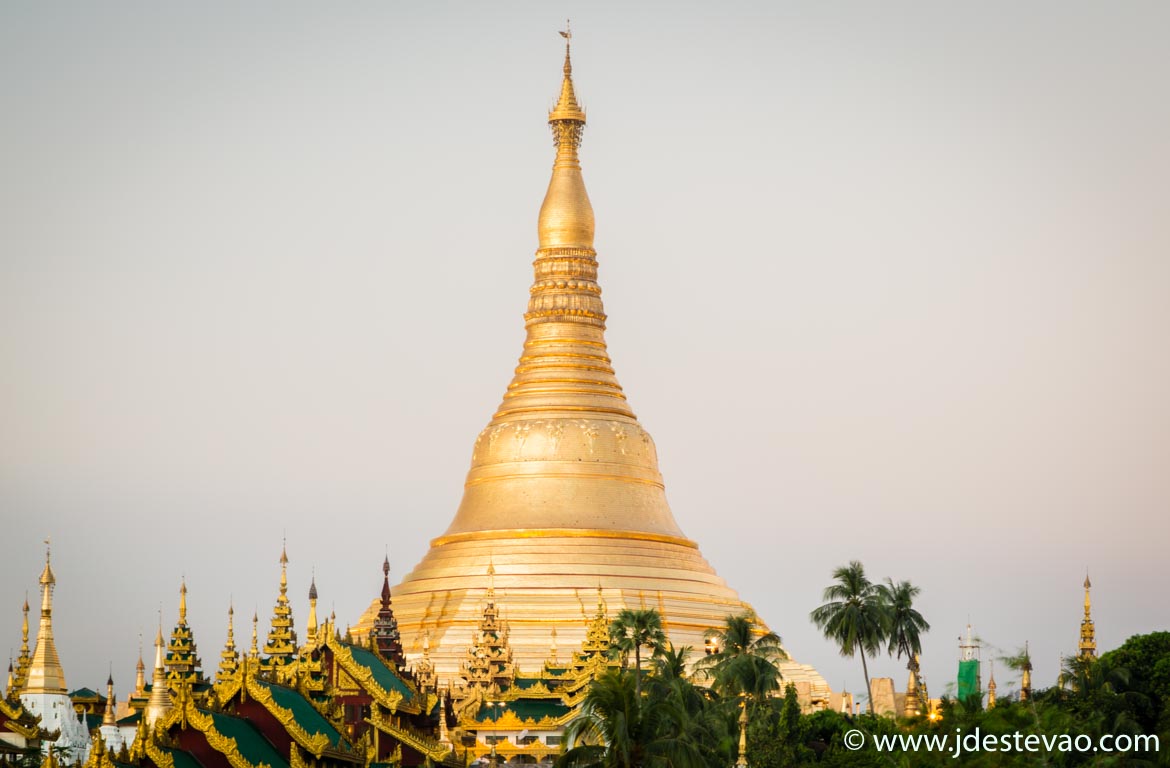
886 281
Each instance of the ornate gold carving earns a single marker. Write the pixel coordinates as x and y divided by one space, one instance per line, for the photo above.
157 755
410 737
316 743
363 678
225 745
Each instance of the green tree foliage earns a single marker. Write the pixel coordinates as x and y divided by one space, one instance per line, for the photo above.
676 721
854 617
745 658
633 630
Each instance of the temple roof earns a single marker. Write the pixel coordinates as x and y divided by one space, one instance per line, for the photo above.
252 746
303 712
383 675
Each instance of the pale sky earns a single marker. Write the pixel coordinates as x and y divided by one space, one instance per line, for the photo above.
886 281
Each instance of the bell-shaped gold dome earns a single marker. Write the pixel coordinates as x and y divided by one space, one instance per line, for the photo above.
564 496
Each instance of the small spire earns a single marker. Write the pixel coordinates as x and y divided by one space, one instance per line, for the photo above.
160 698
311 624
1088 645
229 657
47 576
140 669
45 674
1026 675
183 601
567 107
254 653
24 658
108 717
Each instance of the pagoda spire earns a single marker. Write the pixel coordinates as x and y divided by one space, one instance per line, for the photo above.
282 640
1026 675
229 657
45 674
160 697
24 658
182 660
564 414
385 635
1087 648
140 671
991 688
489 658
254 651
311 624
108 716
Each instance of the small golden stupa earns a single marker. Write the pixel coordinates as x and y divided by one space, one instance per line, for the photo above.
564 502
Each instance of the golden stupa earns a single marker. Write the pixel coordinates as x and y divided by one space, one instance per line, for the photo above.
564 498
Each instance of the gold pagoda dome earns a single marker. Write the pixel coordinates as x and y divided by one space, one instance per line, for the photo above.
563 499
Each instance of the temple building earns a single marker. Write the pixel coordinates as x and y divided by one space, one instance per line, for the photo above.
564 492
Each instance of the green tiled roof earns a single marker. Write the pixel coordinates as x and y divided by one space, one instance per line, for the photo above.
527 709
182 759
303 712
93 721
86 693
383 675
131 719
254 747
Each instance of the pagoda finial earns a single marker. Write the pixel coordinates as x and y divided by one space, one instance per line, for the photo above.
283 567
254 652
566 217
991 687
183 601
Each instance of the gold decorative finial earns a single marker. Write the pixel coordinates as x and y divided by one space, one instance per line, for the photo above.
183 601
741 761
566 217
24 658
1087 648
1026 675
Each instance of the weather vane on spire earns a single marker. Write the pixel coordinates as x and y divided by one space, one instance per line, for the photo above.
567 33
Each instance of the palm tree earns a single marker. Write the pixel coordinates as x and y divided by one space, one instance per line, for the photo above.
853 616
617 728
905 624
745 658
634 629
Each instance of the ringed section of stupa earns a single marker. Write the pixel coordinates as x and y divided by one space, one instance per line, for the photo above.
563 505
